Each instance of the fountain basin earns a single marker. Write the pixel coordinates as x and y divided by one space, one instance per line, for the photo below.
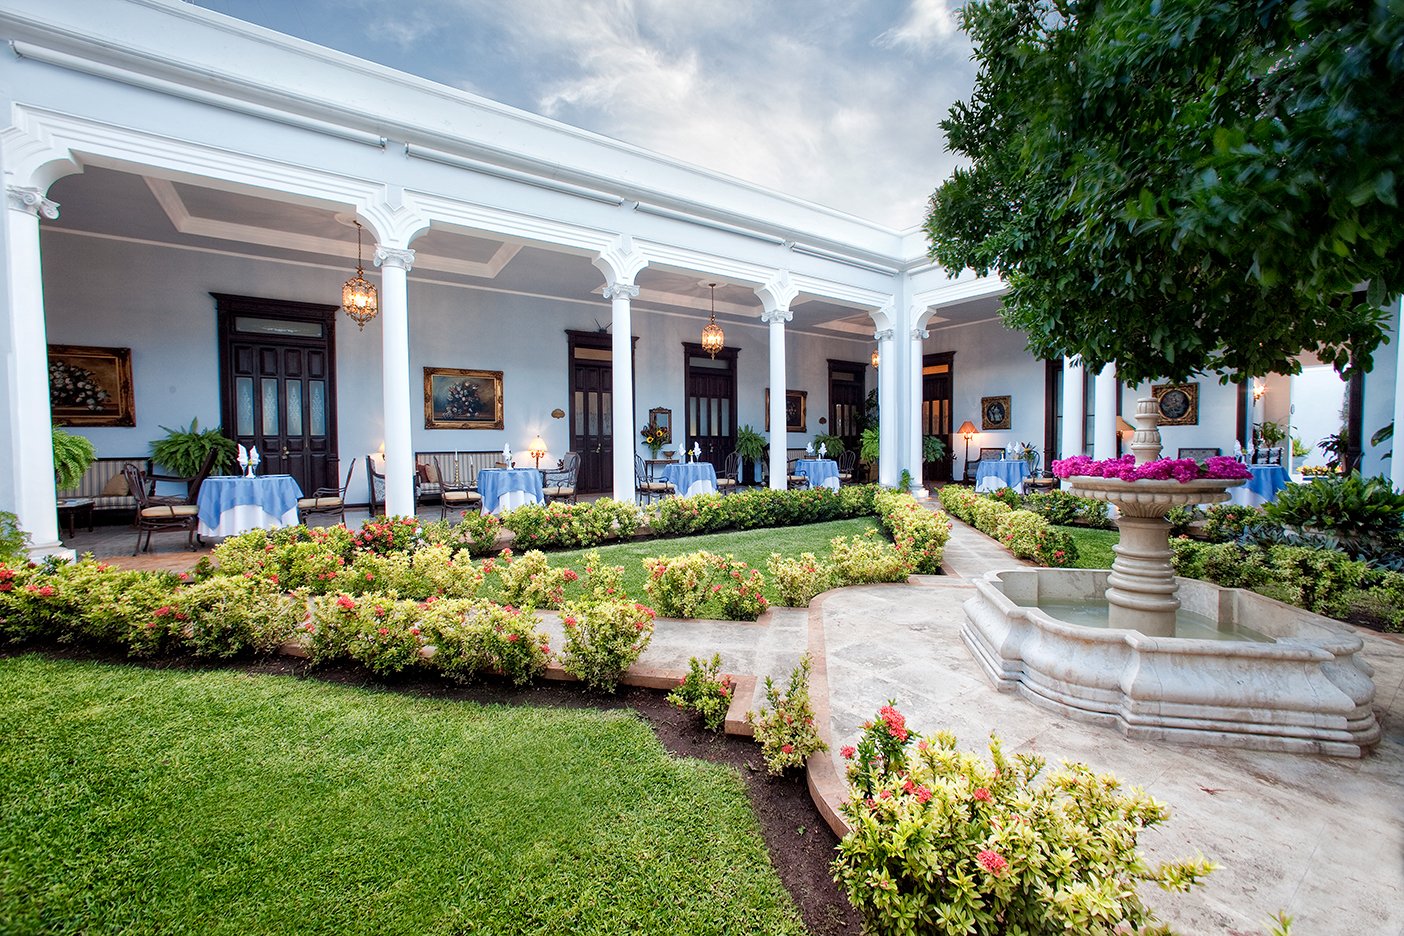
1304 689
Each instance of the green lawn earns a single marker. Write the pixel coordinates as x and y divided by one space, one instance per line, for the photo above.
143 801
1094 547
750 546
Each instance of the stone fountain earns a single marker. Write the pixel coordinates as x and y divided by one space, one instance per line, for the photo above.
1168 658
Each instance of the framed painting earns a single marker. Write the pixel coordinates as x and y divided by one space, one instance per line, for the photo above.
796 417
1178 403
994 413
462 399
91 386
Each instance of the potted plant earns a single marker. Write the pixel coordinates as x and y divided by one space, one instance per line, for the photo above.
183 451
833 445
933 448
750 445
73 454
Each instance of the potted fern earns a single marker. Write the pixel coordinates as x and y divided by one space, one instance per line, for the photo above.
750 445
73 455
183 451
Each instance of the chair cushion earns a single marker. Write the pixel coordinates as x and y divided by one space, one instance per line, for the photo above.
655 486
311 503
171 511
559 492
726 482
462 497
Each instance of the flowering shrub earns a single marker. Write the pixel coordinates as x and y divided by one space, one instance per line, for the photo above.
603 639
942 841
685 586
379 632
1029 536
475 531
13 540
223 616
1224 522
558 525
758 508
704 692
858 560
785 726
689 516
957 500
477 637
1162 469
529 581
1066 509
985 515
1007 495
387 534
800 578
919 534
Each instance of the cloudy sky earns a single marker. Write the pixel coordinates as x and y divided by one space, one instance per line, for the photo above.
835 101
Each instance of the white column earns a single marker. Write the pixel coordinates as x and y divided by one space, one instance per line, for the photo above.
395 264
888 471
33 458
779 437
622 370
1104 427
919 335
1396 459
1073 415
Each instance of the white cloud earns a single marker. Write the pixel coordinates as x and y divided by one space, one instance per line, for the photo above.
928 22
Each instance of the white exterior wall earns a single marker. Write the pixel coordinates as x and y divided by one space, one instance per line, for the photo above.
991 360
1218 417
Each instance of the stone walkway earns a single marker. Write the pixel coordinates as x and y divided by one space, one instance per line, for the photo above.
1320 838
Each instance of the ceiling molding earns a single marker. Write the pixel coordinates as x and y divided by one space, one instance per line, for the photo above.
168 197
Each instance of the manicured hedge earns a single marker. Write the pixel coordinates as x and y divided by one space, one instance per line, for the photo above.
1023 532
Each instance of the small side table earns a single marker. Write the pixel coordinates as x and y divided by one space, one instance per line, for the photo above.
69 508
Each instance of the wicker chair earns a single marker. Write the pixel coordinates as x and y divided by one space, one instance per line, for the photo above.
159 514
559 485
327 501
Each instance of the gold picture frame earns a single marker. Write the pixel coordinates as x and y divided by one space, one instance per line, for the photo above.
663 418
995 413
455 398
796 410
1178 403
91 386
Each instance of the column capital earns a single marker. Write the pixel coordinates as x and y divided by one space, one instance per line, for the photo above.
777 293
920 334
620 261
31 200
885 334
771 316
403 258
621 291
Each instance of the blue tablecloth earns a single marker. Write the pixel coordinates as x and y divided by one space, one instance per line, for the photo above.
821 472
695 478
1262 488
229 506
509 488
993 475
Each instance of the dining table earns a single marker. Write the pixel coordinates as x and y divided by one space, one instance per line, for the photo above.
691 478
228 506
821 472
1262 487
995 474
504 489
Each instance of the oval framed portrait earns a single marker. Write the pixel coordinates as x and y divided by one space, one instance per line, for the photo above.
1178 404
994 413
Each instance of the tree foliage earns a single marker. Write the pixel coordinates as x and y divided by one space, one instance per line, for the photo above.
1197 185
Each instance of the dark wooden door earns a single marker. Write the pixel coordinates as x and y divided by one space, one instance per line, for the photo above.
937 374
592 423
846 401
278 385
710 412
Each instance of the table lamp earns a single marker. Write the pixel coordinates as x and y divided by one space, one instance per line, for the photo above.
967 429
538 449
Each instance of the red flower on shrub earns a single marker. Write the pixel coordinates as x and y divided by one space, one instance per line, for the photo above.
346 603
982 794
847 751
992 862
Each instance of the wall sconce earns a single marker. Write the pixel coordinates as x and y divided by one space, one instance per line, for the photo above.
1258 390
558 413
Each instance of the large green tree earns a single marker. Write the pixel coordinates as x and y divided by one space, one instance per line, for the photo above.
1183 185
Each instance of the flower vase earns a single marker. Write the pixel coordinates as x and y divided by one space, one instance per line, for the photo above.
653 451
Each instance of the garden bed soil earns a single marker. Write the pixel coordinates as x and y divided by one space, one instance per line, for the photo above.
800 844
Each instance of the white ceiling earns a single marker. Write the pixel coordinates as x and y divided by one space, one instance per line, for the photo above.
186 214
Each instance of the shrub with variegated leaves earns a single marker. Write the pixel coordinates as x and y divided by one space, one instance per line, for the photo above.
799 578
943 841
603 639
786 727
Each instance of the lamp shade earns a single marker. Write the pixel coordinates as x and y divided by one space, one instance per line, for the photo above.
1124 428
967 429
538 446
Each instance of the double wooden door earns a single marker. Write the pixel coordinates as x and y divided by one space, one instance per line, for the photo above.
937 374
710 414
847 401
278 385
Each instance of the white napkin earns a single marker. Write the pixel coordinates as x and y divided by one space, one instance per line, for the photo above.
696 451
821 450
243 458
254 459
809 450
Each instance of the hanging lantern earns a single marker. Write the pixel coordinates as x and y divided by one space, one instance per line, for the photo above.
713 338
358 297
